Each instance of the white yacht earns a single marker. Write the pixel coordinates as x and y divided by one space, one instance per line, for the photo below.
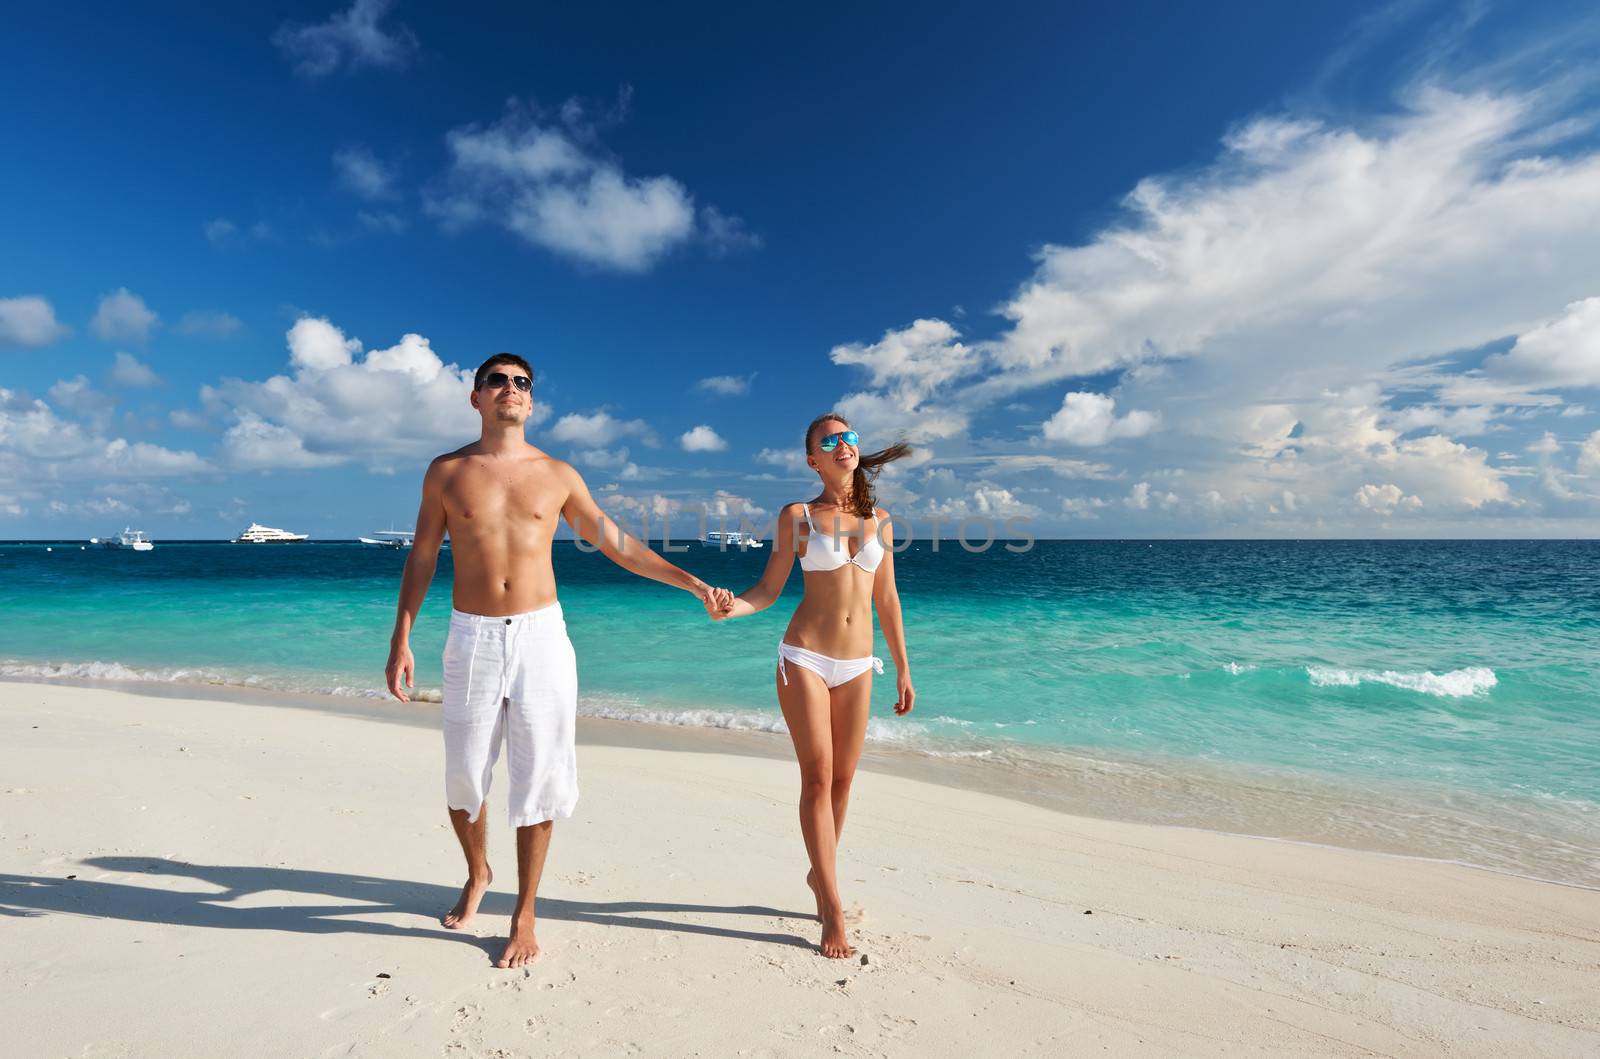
259 534
132 539
726 539
395 540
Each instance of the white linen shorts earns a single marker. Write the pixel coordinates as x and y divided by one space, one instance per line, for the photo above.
514 678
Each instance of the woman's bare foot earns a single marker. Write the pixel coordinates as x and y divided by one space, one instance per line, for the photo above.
523 947
854 916
467 906
835 942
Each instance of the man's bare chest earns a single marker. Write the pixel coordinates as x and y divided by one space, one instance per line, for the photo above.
515 492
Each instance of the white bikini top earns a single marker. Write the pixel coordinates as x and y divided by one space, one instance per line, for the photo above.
827 552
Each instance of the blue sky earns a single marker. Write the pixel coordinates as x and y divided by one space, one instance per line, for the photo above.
1257 270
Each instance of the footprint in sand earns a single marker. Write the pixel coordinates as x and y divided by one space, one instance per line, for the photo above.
896 1027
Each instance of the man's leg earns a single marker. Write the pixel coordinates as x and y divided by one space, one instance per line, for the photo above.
533 842
474 724
474 839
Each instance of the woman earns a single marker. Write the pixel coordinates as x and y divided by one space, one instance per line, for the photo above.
825 660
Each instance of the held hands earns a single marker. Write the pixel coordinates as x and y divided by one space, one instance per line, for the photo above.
717 601
905 694
401 665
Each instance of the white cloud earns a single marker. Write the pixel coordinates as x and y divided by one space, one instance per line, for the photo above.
881 419
726 385
598 429
985 500
1386 499
546 179
1589 455
127 370
253 444
726 505
364 173
222 232
353 39
1090 419
315 344
1469 421
1547 445
1061 466
38 446
207 323
1561 353
1342 241
702 439
123 315
1082 507
30 322
608 460
792 460
184 419
1141 496
391 407
726 234
915 360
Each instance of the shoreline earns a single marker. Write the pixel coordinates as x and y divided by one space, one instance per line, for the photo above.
1236 800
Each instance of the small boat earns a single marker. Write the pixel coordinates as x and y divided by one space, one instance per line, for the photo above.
394 540
726 539
132 539
259 534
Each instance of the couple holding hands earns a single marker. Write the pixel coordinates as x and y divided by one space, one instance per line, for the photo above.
509 670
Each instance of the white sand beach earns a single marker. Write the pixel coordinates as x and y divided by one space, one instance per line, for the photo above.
184 877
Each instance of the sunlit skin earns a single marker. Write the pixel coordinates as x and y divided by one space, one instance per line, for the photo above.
834 618
500 499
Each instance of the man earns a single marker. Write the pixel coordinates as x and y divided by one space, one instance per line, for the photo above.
509 670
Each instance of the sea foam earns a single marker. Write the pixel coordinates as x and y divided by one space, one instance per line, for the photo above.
1457 683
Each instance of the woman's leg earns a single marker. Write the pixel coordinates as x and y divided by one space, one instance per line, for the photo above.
808 712
851 704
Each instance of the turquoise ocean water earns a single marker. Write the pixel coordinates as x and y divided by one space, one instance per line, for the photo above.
1436 697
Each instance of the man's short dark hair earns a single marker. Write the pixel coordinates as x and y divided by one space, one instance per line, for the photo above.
499 358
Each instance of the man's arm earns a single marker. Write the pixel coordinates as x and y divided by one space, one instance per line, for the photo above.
420 566
595 526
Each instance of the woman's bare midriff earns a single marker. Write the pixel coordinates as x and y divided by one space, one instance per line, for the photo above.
835 617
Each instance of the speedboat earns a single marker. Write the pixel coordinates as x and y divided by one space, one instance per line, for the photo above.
259 534
394 540
726 539
132 539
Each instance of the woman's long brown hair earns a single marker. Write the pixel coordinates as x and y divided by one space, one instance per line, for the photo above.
861 500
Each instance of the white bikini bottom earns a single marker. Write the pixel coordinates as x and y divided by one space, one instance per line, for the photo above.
833 671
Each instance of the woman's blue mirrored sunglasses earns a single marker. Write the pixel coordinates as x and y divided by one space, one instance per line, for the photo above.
830 442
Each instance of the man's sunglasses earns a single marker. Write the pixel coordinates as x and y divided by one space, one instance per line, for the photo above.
498 380
830 442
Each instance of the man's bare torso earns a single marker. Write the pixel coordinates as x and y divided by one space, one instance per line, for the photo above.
501 514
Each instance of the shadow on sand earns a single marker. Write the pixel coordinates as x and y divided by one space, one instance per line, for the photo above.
353 896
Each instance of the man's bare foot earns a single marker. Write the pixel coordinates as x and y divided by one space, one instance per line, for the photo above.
467 906
523 947
835 942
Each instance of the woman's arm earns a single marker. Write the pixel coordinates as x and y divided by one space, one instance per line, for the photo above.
886 598
760 596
